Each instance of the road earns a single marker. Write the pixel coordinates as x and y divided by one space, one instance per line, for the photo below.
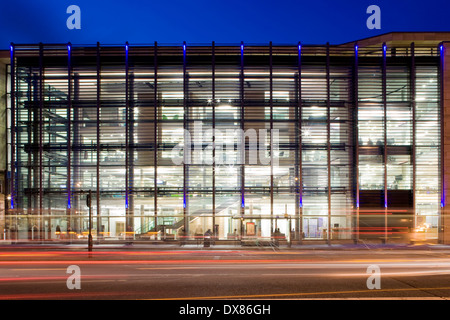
184 274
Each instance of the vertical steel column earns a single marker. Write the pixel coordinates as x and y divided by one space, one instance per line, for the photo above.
242 142
300 147
328 141
384 94
99 222
155 134
413 107
41 125
131 148
441 150
30 98
31 138
185 127
127 139
69 128
34 159
12 189
213 106
19 168
271 130
76 171
356 140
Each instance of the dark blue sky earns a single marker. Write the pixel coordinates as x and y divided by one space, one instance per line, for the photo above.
202 21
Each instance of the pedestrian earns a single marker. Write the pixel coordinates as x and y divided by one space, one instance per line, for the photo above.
207 240
58 231
182 236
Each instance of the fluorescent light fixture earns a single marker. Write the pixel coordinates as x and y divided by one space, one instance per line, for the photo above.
277 95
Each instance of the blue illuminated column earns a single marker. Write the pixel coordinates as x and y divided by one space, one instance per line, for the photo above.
126 126
13 133
384 91
129 138
155 133
444 70
186 150
355 86
444 224
242 128
356 146
299 175
69 127
442 97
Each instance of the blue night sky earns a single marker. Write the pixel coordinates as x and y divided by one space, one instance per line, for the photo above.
203 21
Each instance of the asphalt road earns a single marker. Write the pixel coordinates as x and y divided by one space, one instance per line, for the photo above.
183 274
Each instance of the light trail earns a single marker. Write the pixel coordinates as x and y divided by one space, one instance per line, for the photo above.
301 294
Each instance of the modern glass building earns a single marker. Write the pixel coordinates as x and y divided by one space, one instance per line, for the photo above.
302 142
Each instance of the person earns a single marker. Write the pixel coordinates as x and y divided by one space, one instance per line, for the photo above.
58 231
182 236
207 240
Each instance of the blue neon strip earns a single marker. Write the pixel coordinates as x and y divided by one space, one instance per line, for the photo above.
126 58
443 182
69 205
11 49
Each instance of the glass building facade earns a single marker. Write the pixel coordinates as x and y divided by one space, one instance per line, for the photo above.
348 142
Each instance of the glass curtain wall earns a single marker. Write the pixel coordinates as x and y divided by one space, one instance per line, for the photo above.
315 142
250 142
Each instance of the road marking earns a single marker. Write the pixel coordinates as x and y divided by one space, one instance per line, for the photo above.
40 269
303 294
175 268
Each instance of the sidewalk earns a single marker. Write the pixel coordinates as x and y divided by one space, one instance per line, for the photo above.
8 245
